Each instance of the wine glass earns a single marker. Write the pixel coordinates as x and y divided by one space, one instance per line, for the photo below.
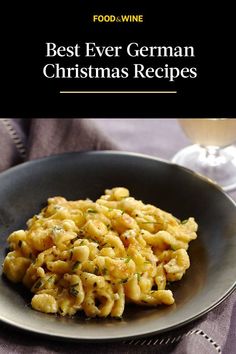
212 153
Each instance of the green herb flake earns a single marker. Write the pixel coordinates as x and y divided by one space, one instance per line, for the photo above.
127 259
76 284
56 229
73 291
104 271
184 221
123 281
138 276
38 284
108 245
31 256
76 265
82 243
148 222
92 211
71 255
96 270
50 279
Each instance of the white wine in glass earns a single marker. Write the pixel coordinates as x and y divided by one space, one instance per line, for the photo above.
212 154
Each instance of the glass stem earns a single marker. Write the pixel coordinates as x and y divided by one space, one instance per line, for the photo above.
211 156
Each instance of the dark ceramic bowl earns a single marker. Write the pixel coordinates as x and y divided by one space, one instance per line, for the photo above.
24 190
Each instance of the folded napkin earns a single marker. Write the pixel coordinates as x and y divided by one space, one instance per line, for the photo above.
22 140
27 139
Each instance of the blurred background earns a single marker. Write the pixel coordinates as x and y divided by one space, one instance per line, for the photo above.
159 137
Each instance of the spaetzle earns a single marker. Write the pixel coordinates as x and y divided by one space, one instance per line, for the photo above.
97 256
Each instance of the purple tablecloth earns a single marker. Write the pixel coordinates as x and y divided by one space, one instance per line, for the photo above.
21 140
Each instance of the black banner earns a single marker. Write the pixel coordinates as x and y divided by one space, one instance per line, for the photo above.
117 60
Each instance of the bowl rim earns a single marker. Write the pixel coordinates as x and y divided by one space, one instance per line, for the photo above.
112 152
119 153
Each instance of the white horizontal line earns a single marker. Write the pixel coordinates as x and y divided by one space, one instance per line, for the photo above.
118 92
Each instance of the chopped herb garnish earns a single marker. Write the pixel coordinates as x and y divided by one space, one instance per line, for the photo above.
76 265
148 222
57 229
104 271
38 284
96 270
138 276
184 221
31 255
82 243
91 211
76 284
19 243
79 234
127 259
71 255
91 240
146 262
50 279
122 212
73 291
106 245
123 281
